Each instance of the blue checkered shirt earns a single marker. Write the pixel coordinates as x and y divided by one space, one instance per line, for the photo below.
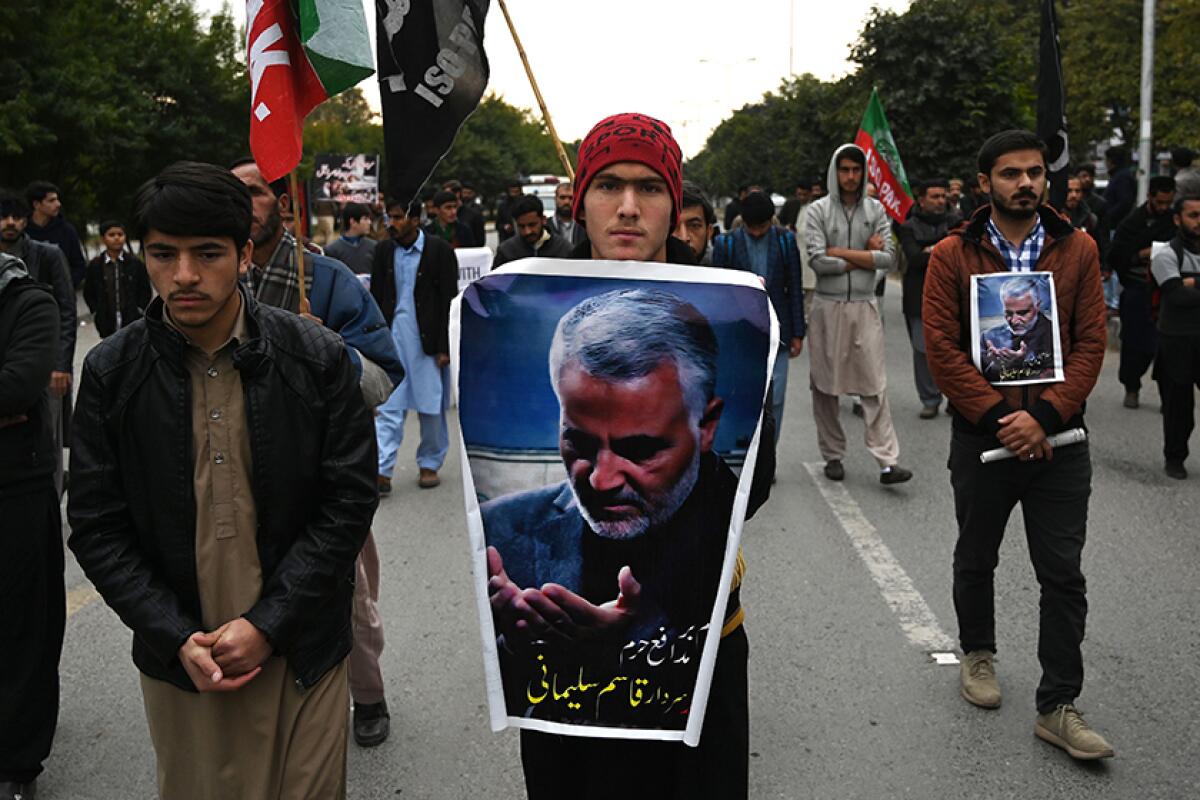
1023 258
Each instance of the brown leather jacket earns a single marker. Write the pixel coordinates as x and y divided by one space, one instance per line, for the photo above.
946 312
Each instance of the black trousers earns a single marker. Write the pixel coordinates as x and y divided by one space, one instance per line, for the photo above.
1054 502
1139 338
1179 372
583 768
33 613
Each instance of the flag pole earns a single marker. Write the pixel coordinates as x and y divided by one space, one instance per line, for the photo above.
295 189
558 145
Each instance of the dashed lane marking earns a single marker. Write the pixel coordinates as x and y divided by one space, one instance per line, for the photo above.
916 619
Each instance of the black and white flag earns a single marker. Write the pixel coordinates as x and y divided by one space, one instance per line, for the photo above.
432 73
1051 107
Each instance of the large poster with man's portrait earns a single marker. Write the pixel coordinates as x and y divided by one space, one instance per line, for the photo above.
1014 325
610 414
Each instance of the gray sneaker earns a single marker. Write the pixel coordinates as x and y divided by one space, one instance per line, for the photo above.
1064 727
977 679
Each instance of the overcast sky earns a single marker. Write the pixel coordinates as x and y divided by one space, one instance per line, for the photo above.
689 63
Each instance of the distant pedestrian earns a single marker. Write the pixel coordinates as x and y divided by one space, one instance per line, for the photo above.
1019 234
1121 193
46 224
468 215
504 220
801 194
849 240
445 224
46 264
697 223
117 288
769 251
1176 270
31 551
533 237
354 247
225 465
413 279
1129 258
563 224
929 223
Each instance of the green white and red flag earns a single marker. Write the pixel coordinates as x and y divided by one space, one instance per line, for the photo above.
300 52
883 160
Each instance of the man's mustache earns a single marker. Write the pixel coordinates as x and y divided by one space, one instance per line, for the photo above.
625 496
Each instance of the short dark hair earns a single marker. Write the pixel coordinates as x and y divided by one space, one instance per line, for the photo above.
1087 167
855 154
109 224
1182 157
36 191
803 183
441 198
757 208
412 208
352 212
1160 184
1006 142
513 182
923 186
279 186
693 195
190 198
452 185
13 205
1119 155
528 204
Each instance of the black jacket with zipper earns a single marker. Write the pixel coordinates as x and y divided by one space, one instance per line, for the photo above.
133 507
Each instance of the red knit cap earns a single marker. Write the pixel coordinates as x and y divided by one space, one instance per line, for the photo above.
631 137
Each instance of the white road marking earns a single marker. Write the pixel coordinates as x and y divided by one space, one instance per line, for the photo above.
916 619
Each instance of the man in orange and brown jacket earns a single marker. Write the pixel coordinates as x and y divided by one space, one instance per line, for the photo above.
1015 233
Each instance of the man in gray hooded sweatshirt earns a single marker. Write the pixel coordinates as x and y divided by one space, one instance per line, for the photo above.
849 243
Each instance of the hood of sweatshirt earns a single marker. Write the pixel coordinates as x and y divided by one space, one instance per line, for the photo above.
11 269
831 181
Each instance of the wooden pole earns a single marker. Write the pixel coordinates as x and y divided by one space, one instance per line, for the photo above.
558 145
299 236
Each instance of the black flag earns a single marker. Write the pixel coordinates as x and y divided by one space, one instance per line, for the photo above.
432 72
1052 107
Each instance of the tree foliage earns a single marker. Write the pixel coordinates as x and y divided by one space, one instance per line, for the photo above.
497 143
98 95
952 73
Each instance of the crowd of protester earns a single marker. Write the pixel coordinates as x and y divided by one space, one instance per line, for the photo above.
215 308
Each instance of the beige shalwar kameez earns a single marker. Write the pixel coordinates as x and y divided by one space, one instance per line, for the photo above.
271 739
846 350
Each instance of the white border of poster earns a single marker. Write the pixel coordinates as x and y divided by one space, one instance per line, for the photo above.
622 271
986 289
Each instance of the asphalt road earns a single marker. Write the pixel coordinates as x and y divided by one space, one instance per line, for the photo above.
845 700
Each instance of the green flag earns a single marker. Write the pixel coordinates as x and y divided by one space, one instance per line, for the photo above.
884 168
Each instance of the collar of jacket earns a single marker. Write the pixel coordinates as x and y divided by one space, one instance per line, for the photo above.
171 345
678 251
975 229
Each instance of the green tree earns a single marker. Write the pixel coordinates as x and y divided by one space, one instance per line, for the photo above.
1102 43
98 95
497 143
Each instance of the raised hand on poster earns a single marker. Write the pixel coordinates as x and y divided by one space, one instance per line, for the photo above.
590 621
555 612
